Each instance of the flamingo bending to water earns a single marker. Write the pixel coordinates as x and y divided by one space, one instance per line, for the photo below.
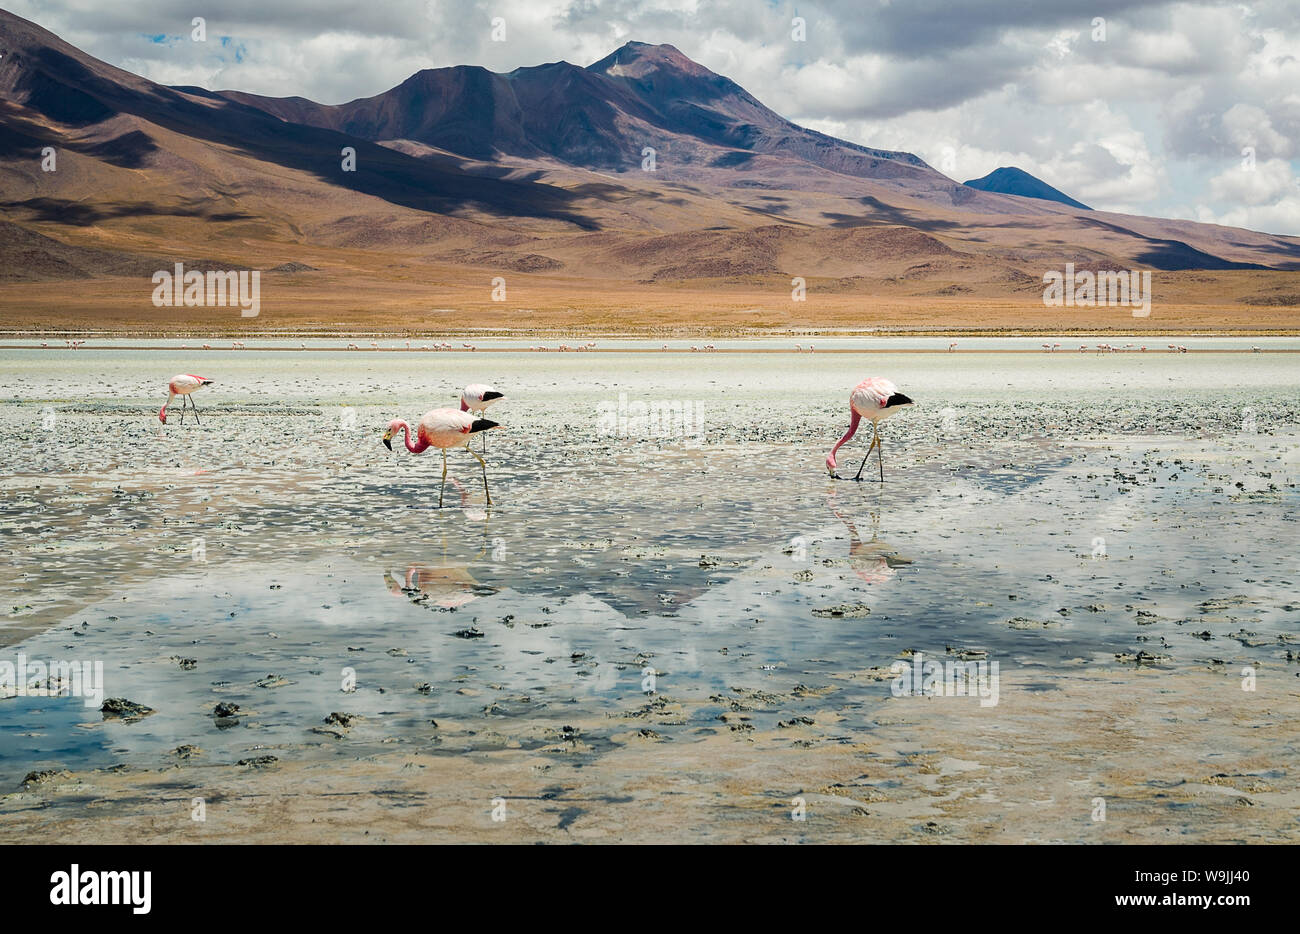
182 384
476 397
443 428
875 398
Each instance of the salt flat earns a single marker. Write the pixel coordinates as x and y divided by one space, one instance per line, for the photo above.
1114 530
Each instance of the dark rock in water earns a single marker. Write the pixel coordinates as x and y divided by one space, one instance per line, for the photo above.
258 762
37 778
124 709
272 681
468 634
187 751
425 688
1024 623
339 718
225 710
843 611
187 664
796 721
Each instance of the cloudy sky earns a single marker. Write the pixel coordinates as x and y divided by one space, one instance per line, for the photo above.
1140 106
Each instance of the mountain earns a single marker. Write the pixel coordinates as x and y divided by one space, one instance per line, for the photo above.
459 175
598 117
1010 180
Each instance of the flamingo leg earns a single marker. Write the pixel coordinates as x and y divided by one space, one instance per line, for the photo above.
875 440
482 463
195 408
444 477
183 398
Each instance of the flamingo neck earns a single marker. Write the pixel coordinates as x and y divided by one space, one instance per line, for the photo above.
464 406
853 427
414 447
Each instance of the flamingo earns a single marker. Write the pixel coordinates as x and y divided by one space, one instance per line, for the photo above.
182 384
443 428
874 398
952 347
476 397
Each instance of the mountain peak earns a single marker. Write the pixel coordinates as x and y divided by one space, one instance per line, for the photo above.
1009 180
639 59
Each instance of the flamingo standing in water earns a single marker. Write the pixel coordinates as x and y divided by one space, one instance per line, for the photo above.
875 398
443 428
182 384
476 397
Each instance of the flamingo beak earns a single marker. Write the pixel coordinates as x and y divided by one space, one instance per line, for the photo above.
388 443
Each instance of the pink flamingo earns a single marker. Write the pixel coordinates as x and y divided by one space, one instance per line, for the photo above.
875 398
443 428
182 384
476 397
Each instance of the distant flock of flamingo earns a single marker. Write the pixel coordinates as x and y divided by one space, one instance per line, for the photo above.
707 348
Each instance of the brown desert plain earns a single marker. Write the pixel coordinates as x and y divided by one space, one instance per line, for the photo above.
539 177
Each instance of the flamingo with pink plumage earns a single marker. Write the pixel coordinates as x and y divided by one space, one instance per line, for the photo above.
875 399
476 397
443 429
182 384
